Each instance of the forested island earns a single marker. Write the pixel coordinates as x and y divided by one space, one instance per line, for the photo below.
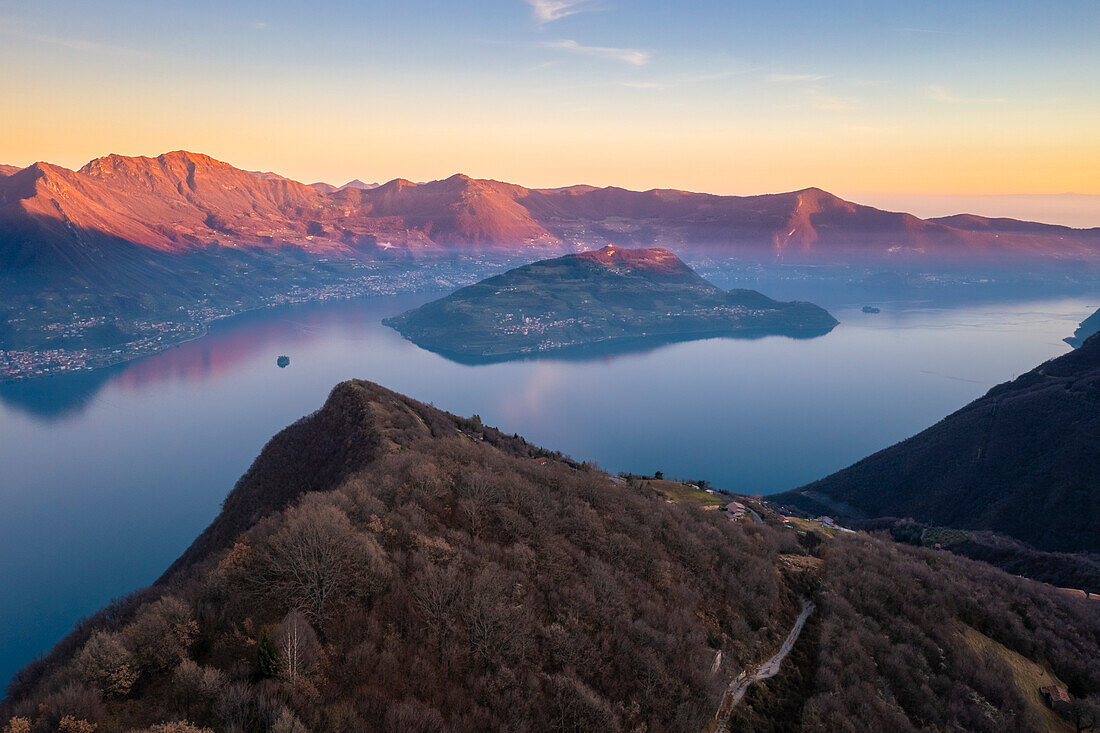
590 298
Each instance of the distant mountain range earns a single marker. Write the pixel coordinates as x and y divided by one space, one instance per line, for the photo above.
602 297
1024 460
129 255
182 201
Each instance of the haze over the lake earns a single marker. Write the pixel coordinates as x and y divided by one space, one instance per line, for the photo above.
152 447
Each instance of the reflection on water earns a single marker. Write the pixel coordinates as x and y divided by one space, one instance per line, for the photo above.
609 349
53 398
106 477
221 351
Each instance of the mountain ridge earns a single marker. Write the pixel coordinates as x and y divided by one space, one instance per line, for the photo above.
384 565
177 200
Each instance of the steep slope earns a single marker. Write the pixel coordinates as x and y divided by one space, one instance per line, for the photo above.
387 566
116 214
916 640
598 297
454 578
195 196
459 211
1024 460
60 227
7 170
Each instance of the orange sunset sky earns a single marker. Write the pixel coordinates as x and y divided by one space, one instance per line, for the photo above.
877 101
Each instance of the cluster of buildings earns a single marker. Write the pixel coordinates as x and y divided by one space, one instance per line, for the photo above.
152 336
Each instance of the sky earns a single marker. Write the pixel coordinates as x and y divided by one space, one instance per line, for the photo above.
864 98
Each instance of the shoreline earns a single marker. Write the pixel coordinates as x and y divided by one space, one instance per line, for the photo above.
188 331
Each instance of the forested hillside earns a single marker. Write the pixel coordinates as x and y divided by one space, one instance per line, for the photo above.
387 566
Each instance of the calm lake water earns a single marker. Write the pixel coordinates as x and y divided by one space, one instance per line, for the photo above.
106 477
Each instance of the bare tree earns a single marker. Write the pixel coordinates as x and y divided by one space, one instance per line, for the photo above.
297 645
315 559
437 594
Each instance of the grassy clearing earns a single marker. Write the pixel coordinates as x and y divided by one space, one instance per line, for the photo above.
679 492
1029 675
811 525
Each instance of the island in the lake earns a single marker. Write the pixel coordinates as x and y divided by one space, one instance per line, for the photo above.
594 298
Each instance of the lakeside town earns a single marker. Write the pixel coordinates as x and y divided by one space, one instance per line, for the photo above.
155 335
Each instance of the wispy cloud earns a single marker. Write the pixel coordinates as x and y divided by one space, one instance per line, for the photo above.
77 44
794 78
259 25
632 56
547 11
830 103
941 94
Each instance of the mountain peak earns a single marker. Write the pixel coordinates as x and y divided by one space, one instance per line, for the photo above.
114 164
654 259
186 156
820 199
44 171
357 183
397 184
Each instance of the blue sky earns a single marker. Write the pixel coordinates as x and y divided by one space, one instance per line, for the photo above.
734 97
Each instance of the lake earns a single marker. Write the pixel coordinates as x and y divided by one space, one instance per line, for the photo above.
106 477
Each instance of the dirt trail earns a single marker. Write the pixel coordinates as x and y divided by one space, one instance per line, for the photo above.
770 668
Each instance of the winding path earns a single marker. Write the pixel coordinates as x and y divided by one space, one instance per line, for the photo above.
770 668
